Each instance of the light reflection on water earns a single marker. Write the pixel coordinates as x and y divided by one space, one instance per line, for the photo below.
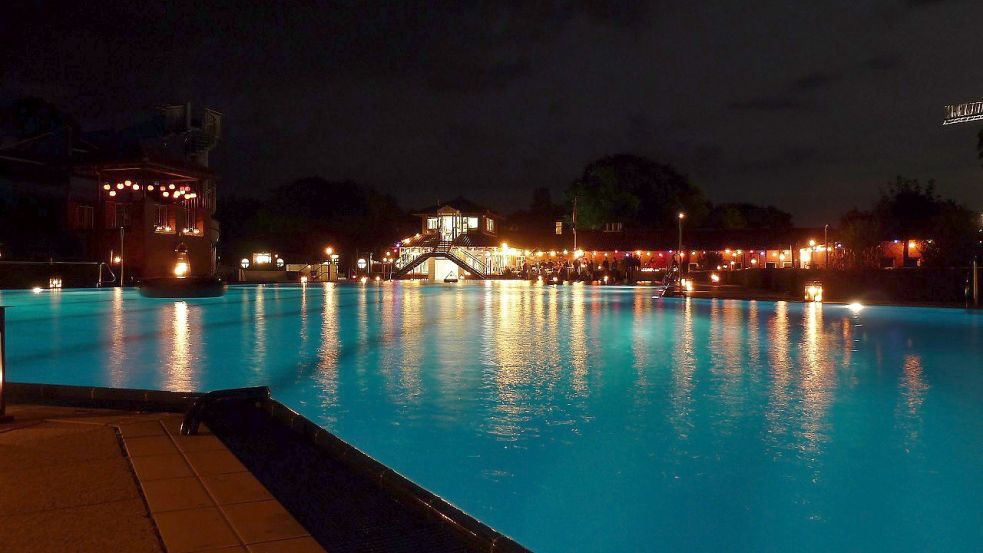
581 418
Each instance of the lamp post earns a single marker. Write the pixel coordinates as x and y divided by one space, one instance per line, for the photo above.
826 243
680 245
121 260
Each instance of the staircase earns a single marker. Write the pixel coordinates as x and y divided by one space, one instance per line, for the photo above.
445 249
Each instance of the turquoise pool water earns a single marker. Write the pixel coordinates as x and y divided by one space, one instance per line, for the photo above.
585 418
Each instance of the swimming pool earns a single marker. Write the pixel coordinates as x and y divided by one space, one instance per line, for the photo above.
585 418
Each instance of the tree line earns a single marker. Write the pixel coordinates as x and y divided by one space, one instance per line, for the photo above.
301 218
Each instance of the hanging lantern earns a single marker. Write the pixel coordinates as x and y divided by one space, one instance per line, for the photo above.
106 186
119 185
183 266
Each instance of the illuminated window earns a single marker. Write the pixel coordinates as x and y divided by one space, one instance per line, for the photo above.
262 258
472 222
559 227
489 224
612 227
432 223
162 219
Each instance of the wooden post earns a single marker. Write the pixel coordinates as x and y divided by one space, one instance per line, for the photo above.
976 284
3 364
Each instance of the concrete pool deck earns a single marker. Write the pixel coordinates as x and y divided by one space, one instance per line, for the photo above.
84 479
106 469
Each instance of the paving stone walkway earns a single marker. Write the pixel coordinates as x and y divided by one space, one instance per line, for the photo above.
103 480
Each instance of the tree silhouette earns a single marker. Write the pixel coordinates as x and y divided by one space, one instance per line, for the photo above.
635 191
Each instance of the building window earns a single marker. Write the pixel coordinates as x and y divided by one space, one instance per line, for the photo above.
489 224
117 215
162 219
559 227
472 222
84 216
432 223
612 227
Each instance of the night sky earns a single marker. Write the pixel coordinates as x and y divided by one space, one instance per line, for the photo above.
810 106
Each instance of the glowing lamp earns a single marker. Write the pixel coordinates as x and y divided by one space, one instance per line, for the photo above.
303 280
127 182
36 289
362 263
117 260
183 266
136 186
166 194
279 262
106 186
119 185
814 291
171 186
244 263
112 193
364 279
150 187
856 307
328 251
714 277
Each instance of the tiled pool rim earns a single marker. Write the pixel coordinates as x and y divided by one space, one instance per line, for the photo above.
398 486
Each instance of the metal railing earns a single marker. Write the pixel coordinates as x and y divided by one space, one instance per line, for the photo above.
470 259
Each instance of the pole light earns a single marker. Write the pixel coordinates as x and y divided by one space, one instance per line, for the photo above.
826 243
680 245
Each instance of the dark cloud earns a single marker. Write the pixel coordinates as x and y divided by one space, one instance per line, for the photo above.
787 157
769 103
922 3
885 62
815 81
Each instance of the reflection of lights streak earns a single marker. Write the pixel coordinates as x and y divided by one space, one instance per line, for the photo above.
327 353
817 380
913 389
180 358
685 361
117 353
